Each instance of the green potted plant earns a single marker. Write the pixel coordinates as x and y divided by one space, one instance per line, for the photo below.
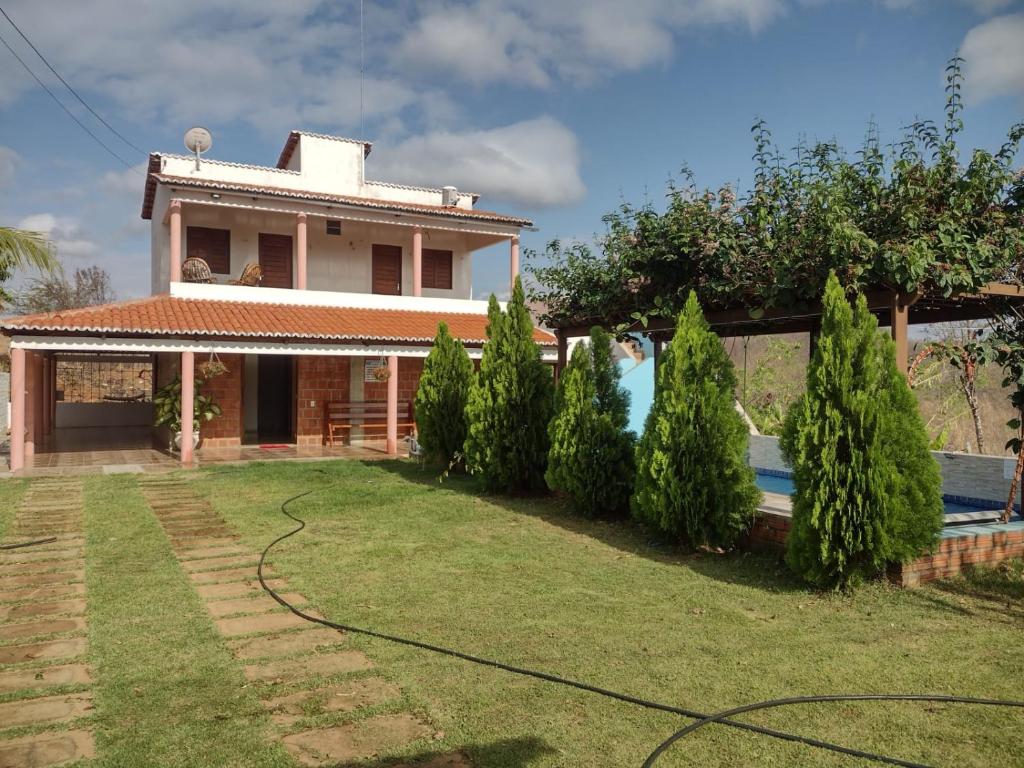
167 403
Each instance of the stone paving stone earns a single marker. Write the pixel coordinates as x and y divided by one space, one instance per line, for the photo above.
41 593
207 552
195 566
231 574
237 588
57 608
46 709
261 603
334 663
284 644
366 692
46 566
354 741
25 679
41 579
47 749
35 554
50 649
262 622
223 541
45 627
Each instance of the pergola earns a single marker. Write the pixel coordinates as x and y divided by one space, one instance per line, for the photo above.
894 309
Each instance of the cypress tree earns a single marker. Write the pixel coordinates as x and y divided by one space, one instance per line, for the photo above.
693 482
591 457
510 403
441 398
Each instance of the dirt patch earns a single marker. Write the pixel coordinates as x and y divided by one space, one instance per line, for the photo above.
236 588
48 709
354 741
34 628
194 566
309 666
266 622
311 639
25 679
255 604
42 609
52 649
46 749
287 710
42 593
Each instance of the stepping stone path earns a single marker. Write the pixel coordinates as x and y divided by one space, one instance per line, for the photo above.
44 680
320 694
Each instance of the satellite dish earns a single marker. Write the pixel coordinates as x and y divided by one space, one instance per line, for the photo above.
198 140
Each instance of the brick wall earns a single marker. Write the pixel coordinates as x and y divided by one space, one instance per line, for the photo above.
769 532
226 390
409 370
319 380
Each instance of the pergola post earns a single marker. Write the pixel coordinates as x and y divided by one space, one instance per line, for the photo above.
417 261
301 249
391 444
513 259
188 391
175 221
17 408
563 353
900 311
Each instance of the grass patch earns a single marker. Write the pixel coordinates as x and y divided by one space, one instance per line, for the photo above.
11 492
521 581
168 692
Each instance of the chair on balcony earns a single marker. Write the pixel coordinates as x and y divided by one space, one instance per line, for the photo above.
196 270
252 275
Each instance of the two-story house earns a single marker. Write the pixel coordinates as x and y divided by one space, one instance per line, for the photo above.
355 275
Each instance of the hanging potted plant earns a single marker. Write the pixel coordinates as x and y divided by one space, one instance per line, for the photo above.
213 367
381 372
167 404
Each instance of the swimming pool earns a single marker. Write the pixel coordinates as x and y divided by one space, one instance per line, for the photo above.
956 512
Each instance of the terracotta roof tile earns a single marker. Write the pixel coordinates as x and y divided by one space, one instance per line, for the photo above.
174 316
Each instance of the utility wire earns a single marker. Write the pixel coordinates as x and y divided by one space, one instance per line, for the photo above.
61 104
67 85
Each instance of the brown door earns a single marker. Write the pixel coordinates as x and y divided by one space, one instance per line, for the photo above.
276 260
387 269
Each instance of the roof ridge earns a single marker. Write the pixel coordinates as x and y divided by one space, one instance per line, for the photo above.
289 305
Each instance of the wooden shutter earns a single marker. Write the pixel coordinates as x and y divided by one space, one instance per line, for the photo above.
276 260
387 269
212 246
437 269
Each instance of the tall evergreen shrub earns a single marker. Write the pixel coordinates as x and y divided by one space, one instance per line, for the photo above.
441 398
510 403
692 481
591 457
867 490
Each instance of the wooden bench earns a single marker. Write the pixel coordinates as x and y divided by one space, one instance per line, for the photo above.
340 417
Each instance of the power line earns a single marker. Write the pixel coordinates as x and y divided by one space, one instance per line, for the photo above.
60 103
67 85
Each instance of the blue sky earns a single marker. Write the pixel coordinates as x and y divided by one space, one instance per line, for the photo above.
554 109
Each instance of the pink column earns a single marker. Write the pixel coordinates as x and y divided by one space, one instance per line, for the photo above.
17 408
392 423
45 392
300 251
53 392
188 387
513 261
417 261
31 394
175 241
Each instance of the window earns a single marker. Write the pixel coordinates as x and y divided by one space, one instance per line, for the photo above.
333 227
212 246
437 269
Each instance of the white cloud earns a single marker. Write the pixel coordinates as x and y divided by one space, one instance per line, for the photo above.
64 233
994 58
8 165
127 183
534 162
981 6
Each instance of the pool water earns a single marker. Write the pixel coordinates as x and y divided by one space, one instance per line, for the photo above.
784 485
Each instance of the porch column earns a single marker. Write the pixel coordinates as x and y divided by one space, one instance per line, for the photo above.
392 422
300 251
188 388
417 261
53 392
175 241
17 408
900 311
31 393
44 386
513 262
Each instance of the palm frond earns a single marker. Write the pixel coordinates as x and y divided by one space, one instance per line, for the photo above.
24 248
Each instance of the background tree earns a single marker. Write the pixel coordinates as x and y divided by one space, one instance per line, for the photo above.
20 248
510 403
441 398
591 457
692 481
54 291
1008 347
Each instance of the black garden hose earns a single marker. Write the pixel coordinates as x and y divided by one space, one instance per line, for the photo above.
701 719
50 540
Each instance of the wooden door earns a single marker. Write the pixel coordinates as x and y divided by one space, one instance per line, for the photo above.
274 402
276 260
387 269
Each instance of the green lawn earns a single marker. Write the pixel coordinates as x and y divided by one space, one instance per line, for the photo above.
387 547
